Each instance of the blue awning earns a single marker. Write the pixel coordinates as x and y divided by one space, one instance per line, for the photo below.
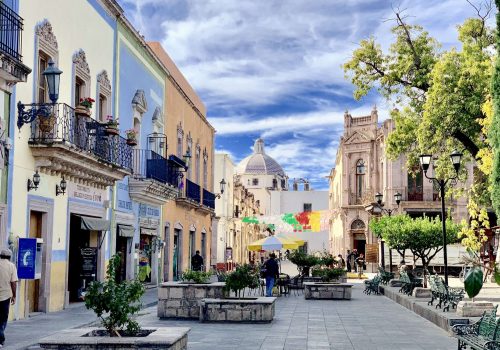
177 161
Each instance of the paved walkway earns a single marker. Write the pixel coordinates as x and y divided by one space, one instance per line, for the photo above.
24 333
365 322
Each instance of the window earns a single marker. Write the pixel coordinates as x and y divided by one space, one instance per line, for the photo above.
190 151
360 178
191 243
283 184
198 158
81 82
255 182
43 94
275 184
205 169
236 211
103 104
79 88
308 207
415 186
180 138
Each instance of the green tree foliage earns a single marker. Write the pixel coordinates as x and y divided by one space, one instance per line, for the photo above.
243 277
199 277
494 134
422 236
115 302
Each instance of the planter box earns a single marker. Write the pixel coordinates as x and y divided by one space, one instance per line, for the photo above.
251 310
320 290
341 279
82 339
473 308
182 300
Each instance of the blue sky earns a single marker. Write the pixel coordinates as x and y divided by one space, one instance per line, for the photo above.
272 68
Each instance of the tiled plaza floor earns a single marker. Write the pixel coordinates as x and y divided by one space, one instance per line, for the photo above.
365 322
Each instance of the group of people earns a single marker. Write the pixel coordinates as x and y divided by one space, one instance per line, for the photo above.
355 261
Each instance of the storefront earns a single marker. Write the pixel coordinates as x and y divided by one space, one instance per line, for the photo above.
88 229
150 244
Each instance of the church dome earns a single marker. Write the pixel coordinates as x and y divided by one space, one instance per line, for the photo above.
259 162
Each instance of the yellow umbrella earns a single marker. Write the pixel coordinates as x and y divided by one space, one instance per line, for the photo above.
272 243
295 239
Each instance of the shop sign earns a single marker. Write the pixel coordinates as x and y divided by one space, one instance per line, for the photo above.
89 262
149 211
26 258
371 253
123 198
86 193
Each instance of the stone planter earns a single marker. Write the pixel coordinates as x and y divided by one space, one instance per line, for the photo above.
111 131
90 338
473 308
320 290
132 142
82 111
341 279
251 310
182 300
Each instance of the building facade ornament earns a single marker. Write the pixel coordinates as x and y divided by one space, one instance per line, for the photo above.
80 63
46 36
139 101
103 81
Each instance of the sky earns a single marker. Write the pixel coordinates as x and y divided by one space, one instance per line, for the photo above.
273 68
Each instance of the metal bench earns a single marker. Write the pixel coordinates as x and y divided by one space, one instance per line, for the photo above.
445 295
371 286
408 283
384 275
484 334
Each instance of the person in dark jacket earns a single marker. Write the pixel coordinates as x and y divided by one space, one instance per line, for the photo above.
271 273
196 261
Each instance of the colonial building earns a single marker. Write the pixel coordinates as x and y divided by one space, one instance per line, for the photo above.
189 136
362 169
231 235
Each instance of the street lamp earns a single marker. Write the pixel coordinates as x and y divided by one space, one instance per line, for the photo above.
378 209
425 162
222 184
52 76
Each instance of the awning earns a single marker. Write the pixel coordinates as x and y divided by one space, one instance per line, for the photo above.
126 231
94 224
177 161
149 231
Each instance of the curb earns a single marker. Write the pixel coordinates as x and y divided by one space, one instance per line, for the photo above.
444 320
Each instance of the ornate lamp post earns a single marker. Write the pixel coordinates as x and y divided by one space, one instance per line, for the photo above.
378 209
425 161
52 75
222 184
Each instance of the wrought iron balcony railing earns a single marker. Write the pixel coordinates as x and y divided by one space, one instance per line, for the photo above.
63 126
208 199
148 164
11 29
193 191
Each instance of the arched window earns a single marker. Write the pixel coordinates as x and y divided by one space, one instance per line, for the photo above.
358 225
360 178
46 49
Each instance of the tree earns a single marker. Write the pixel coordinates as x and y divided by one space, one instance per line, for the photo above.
422 236
495 125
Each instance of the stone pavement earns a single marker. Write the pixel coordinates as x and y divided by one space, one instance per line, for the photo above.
365 322
24 333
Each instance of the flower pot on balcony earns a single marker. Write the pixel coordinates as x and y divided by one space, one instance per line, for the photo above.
46 124
82 111
111 131
132 142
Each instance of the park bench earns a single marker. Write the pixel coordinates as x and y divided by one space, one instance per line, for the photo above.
408 283
445 295
371 286
384 275
483 334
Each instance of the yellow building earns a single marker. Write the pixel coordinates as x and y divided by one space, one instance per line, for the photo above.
188 219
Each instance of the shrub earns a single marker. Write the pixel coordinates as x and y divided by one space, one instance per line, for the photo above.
328 274
303 261
196 276
244 276
326 259
119 301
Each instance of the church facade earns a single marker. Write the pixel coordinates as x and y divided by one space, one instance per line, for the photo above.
361 170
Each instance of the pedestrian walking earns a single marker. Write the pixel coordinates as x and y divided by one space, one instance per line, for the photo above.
348 262
360 262
340 261
196 261
8 279
271 273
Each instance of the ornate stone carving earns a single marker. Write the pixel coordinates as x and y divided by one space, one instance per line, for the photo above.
80 62
45 33
139 101
358 224
103 81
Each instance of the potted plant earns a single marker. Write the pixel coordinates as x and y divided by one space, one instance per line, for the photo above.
84 107
243 277
46 124
131 137
116 303
111 127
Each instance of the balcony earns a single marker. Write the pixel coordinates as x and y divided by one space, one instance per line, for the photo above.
155 178
78 148
11 67
208 206
415 196
363 198
191 197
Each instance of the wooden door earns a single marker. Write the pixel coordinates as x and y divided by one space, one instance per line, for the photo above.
33 286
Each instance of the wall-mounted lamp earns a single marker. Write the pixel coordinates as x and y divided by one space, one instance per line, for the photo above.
222 188
33 184
61 188
187 157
